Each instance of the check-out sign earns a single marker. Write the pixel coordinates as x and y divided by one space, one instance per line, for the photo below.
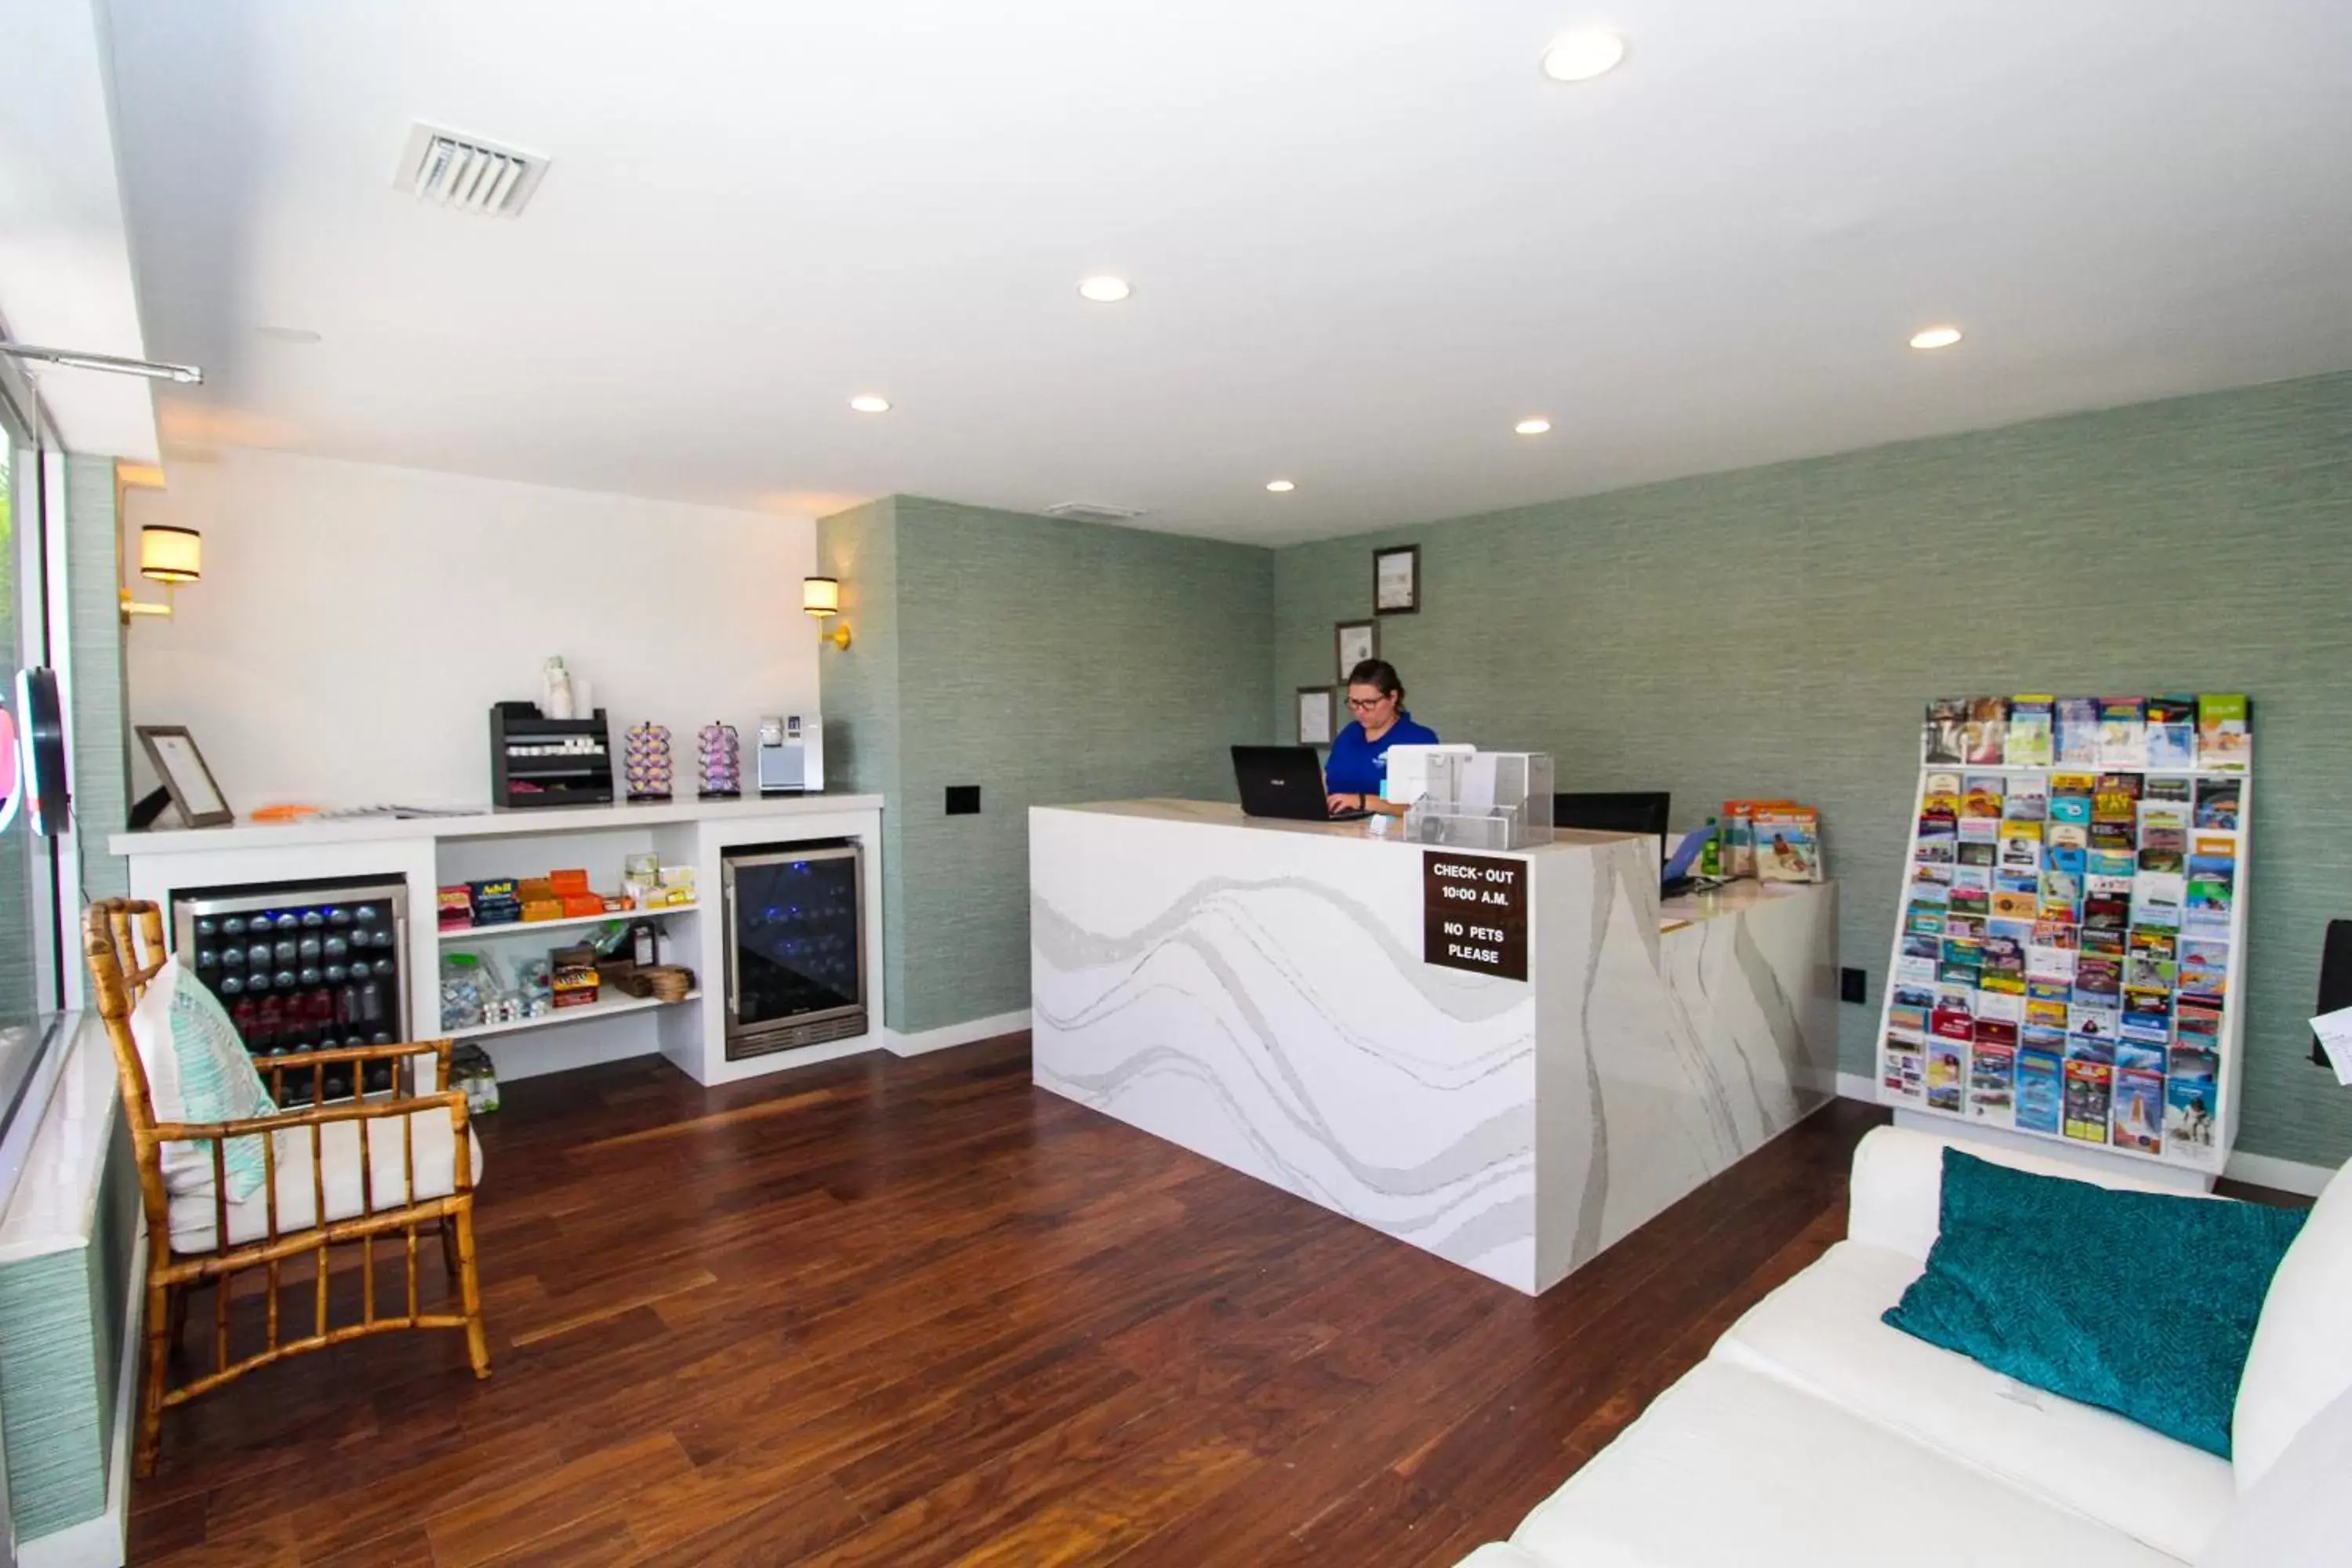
1474 913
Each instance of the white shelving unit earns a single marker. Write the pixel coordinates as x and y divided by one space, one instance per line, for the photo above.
527 928
428 854
613 1004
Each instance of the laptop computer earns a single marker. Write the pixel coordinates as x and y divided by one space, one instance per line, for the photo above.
1677 879
1284 782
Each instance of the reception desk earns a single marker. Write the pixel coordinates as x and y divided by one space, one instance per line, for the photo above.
1341 1015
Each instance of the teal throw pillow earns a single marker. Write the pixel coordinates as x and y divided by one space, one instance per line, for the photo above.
2141 1303
216 1082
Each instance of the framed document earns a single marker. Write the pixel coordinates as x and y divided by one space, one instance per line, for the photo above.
1314 715
1396 581
1359 640
181 766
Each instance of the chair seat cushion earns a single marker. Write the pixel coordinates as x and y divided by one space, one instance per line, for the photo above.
1730 1466
1821 1333
431 1142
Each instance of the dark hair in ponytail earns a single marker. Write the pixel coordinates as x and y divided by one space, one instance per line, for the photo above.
1379 675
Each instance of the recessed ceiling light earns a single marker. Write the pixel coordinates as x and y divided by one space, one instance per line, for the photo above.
1582 54
870 402
1280 487
1104 290
1936 338
1535 426
288 334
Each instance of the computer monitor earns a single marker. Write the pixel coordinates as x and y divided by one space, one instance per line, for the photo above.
1614 811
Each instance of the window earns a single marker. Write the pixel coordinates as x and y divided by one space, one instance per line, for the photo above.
30 889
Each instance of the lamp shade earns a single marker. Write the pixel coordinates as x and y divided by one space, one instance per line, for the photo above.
171 554
821 596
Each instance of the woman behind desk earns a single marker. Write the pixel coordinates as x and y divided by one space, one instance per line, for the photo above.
1360 755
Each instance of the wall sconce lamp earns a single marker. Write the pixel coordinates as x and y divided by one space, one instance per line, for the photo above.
168 555
821 598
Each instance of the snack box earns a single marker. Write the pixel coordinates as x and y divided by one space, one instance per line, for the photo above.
494 902
576 981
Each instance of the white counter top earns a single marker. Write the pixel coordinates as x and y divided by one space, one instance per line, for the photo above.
1731 899
55 1206
1689 909
488 824
1224 813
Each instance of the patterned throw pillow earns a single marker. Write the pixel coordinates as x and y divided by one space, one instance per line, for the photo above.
198 1071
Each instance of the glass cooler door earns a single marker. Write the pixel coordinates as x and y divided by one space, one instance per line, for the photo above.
302 968
795 959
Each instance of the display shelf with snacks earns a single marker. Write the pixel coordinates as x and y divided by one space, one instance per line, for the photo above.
611 1004
2069 952
527 928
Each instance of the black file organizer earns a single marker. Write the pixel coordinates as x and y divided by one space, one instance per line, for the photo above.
558 778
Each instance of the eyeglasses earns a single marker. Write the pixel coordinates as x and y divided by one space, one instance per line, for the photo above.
1366 704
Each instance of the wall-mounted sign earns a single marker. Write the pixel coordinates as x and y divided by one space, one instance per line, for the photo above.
35 781
1474 913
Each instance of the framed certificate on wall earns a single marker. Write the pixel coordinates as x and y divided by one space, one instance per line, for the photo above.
1314 715
1357 641
1396 581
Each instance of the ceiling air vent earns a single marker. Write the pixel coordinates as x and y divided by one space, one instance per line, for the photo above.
467 173
1087 511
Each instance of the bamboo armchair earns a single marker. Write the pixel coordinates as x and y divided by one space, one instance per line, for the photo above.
123 938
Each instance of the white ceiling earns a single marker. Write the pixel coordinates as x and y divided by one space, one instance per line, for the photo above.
65 264
1365 237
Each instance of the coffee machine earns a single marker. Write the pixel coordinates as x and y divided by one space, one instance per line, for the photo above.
792 754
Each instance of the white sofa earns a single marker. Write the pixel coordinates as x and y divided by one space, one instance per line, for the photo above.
1815 1435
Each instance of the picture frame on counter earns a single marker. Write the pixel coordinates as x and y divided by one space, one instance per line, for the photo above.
1314 715
1357 641
1396 580
185 776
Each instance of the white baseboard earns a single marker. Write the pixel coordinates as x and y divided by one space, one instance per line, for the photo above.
1857 1085
962 1034
105 1542
2269 1171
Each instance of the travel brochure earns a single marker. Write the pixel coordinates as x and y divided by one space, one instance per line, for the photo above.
2064 965
2206 733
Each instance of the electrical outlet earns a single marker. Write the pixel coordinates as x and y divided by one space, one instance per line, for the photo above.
1850 984
963 800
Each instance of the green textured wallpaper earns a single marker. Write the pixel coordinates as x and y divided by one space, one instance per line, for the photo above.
101 732
1047 662
61 1324
1777 630
859 549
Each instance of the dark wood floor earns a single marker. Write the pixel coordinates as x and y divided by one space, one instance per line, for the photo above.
905 1312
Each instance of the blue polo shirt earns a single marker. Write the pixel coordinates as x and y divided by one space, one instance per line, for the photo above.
1358 766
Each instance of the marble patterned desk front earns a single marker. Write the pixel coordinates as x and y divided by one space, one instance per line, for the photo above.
1255 993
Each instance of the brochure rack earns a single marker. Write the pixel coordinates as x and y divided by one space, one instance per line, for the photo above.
2069 955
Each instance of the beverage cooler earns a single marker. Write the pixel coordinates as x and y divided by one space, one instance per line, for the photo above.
794 946
303 966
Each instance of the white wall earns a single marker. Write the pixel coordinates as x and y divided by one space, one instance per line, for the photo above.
356 622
